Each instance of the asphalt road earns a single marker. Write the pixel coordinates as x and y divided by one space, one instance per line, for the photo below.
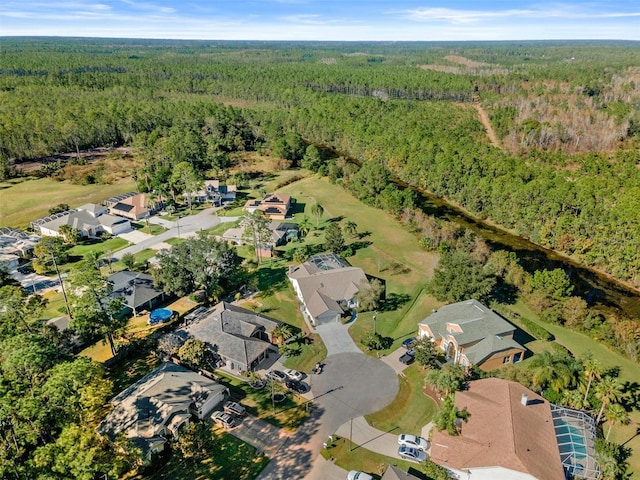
182 228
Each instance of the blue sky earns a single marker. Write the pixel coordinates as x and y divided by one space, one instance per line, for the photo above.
323 19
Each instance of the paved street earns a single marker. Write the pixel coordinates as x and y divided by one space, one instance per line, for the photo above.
183 228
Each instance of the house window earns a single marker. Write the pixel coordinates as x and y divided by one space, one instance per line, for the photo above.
506 359
516 357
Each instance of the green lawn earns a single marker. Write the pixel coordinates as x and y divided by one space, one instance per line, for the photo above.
24 201
410 410
288 414
113 244
231 459
55 304
312 352
151 229
353 457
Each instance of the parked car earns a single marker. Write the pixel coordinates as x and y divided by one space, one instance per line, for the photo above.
355 475
409 342
412 454
296 386
223 419
412 441
234 408
276 375
408 357
294 374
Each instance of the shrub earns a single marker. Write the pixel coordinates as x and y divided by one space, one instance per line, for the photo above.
536 330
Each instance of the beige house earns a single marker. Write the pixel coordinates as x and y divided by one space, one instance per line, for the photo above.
134 206
327 287
472 334
511 434
275 205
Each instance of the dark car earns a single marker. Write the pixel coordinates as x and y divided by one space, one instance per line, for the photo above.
408 358
409 342
296 386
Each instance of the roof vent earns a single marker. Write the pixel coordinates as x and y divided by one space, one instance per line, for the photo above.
524 399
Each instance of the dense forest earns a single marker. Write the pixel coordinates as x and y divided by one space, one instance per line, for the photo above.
567 117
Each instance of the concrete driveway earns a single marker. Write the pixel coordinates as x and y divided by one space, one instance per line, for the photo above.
337 339
393 360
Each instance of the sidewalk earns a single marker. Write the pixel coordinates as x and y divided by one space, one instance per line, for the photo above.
364 435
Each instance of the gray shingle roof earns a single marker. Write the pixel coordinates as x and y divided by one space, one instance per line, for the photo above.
153 402
228 329
137 289
475 327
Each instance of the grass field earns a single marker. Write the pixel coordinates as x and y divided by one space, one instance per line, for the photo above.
410 410
24 200
387 251
231 459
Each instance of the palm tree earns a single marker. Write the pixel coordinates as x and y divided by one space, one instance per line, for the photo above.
609 391
574 399
552 370
447 380
449 416
592 371
615 414
304 226
281 333
351 229
317 210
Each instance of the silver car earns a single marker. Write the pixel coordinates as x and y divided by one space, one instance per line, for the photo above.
412 454
355 475
224 419
234 408
412 441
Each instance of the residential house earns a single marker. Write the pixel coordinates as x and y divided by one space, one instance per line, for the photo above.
17 242
472 334
90 220
327 287
394 473
281 233
215 193
513 433
137 290
275 205
238 338
134 206
160 405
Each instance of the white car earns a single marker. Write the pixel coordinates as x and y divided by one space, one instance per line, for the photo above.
355 475
412 441
411 454
294 374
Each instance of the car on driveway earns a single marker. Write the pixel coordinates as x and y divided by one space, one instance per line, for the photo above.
355 475
294 374
223 419
412 454
276 375
234 408
296 386
412 441
408 358
409 342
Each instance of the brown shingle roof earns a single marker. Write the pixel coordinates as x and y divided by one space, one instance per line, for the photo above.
501 431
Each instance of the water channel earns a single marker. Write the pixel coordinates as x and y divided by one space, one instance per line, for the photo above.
597 288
